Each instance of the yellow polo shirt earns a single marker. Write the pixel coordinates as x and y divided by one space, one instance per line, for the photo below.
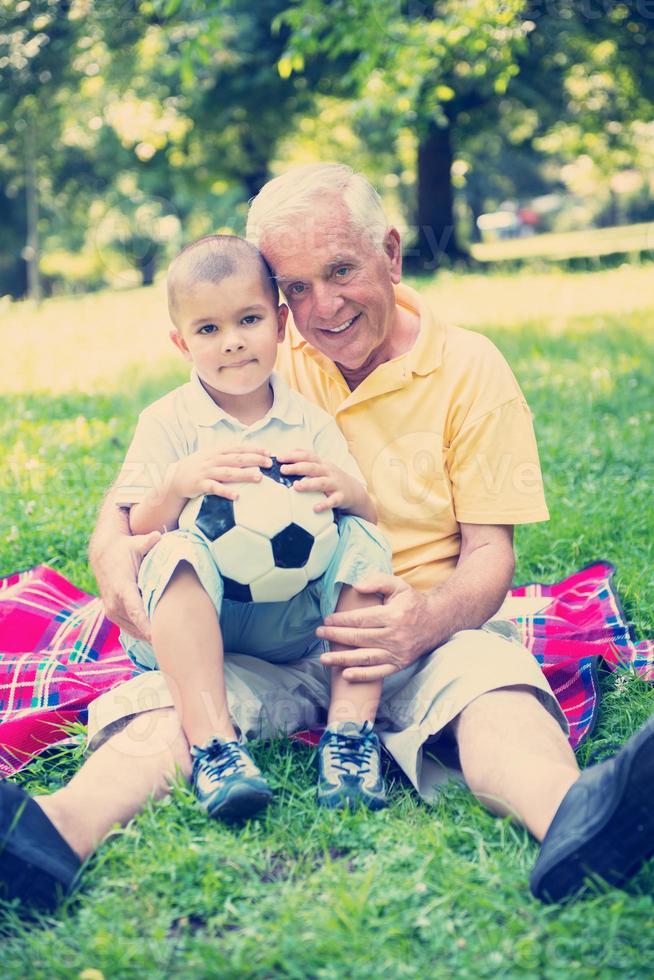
443 436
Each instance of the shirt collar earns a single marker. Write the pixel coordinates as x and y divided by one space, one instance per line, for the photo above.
424 357
204 411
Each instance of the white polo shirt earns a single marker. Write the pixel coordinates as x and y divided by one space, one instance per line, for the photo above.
187 420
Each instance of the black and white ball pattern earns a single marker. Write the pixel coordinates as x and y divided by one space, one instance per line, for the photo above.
269 543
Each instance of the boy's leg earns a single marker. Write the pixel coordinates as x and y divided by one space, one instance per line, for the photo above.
188 644
352 702
349 751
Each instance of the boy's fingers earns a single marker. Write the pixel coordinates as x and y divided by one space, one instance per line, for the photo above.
315 484
212 486
304 468
333 501
233 474
242 459
297 456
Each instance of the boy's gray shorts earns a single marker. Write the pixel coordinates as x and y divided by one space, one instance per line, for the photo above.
267 700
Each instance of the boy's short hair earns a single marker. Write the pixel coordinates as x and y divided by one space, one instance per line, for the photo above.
212 259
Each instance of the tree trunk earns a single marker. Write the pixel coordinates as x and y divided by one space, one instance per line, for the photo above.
436 240
31 250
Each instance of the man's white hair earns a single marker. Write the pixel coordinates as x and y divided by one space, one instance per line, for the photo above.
282 200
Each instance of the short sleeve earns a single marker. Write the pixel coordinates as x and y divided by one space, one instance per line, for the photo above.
151 452
494 468
331 444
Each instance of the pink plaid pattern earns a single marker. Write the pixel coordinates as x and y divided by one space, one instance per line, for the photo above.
58 652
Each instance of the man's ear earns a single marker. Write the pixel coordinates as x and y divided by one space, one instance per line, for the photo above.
393 251
282 317
180 344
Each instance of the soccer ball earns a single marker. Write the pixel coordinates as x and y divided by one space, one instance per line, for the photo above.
270 542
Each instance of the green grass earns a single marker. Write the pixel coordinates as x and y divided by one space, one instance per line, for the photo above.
418 890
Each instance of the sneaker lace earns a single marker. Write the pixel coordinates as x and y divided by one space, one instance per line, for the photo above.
351 754
222 759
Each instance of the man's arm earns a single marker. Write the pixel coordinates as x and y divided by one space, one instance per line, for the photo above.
389 637
115 556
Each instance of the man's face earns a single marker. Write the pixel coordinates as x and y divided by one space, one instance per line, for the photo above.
339 289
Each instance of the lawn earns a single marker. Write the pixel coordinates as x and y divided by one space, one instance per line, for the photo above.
417 890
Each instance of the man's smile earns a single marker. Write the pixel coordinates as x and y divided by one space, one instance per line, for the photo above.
342 327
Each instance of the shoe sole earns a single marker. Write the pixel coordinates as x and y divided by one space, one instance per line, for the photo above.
621 840
340 802
240 802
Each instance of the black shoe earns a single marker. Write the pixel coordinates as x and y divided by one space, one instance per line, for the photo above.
36 864
604 827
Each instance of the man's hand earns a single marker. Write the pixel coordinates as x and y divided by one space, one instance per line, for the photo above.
320 476
212 471
116 569
385 638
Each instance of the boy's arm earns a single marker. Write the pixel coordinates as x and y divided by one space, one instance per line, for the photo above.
208 471
360 502
159 509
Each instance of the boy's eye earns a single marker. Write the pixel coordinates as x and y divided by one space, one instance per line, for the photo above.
208 328
250 319
295 289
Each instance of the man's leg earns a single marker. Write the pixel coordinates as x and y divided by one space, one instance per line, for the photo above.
115 782
515 757
598 824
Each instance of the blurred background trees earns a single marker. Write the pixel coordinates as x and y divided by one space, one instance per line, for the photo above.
127 128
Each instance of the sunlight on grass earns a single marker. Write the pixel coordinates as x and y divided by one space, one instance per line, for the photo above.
90 343
506 300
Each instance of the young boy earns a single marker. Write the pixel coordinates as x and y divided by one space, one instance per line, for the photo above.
222 427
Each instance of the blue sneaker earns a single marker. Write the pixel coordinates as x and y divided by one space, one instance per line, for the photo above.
349 767
226 781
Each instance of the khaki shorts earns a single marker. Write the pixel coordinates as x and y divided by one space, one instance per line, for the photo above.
268 700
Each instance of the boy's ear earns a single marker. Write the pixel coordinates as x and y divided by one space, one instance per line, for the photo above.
180 344
282 317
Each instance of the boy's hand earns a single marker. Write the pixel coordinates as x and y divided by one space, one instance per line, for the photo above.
212 471
341 489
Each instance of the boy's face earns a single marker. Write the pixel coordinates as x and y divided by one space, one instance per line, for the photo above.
230 331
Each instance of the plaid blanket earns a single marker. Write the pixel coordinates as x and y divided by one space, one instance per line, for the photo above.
58 652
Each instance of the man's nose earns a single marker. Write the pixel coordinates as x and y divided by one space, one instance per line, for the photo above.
326 301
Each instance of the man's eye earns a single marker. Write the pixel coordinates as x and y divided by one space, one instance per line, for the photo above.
208 328
296 288
250 319
342 271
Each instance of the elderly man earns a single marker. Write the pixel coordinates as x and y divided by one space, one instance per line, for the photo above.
441 430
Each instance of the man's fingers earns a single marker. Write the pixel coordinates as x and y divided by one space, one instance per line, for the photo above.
383 584
145 542
370 617
130 616
351 636
363 675
361 657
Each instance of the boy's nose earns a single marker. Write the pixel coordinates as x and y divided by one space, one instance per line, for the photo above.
233 342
